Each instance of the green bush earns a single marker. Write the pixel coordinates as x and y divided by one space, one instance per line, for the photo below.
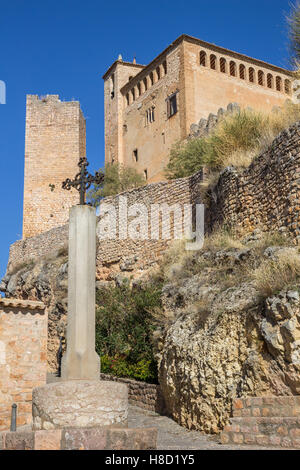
120 367
116 180
124 326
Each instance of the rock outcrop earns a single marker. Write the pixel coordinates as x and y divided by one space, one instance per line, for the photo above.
223 343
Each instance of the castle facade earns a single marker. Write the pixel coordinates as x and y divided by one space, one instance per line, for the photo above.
150 107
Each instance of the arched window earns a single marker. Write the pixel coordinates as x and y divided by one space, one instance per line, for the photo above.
151 78
287 87
232 68
203 58
158 73
223 65
242 72
213 60
278 83
261 78
270 80
251 75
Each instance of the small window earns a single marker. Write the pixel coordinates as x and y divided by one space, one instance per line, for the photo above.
145 84
135 155
139 89
150 116
242 71
251 75
203 58
165 67
151 78
146 174
127 99
270 80
232 68
278 83
158 73
172 105
133 94
261 78
213 61
287 87
223 65
112 86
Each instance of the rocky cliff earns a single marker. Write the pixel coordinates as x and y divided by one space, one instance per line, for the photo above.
223 337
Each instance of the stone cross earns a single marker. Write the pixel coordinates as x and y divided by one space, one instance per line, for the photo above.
81 360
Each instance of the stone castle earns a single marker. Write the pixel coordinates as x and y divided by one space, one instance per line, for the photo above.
147 110
150 107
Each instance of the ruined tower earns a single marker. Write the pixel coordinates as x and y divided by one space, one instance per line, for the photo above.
55 140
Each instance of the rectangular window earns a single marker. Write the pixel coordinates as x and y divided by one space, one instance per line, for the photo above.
135 155
172 105
146 174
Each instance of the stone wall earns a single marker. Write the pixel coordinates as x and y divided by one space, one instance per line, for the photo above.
264 195
141 394
23 357
114 255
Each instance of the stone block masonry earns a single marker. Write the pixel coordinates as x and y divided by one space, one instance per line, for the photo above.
112 253
98 438
265 421
141 394
23 357
265 195
54 142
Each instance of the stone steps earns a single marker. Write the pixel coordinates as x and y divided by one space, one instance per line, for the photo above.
265 421
267 406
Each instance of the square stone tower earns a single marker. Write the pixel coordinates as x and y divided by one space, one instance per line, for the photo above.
55 140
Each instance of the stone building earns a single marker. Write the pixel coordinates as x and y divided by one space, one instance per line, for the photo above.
150 107
54 142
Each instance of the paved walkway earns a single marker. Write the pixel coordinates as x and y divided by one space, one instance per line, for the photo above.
171 436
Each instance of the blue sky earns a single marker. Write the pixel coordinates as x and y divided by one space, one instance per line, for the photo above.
63 47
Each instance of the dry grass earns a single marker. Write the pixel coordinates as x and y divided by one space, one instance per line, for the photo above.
222 238
236 140
273 275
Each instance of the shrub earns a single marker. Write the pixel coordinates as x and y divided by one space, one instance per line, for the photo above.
236 140
274 275
116 180
124 327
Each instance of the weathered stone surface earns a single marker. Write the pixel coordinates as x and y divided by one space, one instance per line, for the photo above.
84 439
47 440
134 439
222 343
19 440
79 403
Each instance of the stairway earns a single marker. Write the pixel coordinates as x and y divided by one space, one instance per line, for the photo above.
265 421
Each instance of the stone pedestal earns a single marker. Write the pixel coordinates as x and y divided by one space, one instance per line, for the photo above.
80 360
79 403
